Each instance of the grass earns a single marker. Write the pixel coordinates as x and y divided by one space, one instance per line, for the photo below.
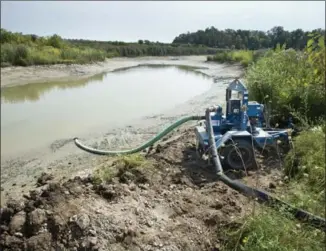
307 160
121 164
24 55
273 231
305 167
244 57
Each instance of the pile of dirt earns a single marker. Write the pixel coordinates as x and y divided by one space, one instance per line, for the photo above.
169 202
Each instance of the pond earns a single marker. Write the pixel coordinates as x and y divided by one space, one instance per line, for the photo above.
37 114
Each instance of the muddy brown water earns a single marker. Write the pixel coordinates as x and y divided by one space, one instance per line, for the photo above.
39 121
35 115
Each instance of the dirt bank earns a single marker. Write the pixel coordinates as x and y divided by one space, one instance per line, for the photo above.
167 201
11 76
62 158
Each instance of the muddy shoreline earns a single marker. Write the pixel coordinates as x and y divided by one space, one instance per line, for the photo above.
11 76
62 158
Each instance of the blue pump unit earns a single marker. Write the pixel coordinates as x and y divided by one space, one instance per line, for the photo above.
241 125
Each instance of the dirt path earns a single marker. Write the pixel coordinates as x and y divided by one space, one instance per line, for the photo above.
62 158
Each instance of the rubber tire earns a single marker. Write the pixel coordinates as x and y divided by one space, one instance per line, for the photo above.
242 144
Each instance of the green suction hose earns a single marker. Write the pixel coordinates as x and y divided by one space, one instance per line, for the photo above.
143 146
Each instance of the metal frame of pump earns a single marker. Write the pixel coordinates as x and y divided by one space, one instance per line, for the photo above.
240 131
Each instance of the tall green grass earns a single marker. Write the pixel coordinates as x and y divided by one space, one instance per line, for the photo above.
244 57
268 230
305 166
24 55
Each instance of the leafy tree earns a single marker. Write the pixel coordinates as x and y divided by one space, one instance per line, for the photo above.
246 39
55 41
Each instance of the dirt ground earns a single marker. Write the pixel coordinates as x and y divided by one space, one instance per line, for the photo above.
171 201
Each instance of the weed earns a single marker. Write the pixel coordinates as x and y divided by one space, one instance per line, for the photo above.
244 57
306 161
120 165
271 230
104 174
132 161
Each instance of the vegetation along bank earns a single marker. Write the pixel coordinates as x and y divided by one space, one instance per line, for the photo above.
22 50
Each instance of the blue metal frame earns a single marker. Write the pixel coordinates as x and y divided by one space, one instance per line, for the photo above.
234 126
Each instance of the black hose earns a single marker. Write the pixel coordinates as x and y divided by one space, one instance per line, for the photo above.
261 196
264 197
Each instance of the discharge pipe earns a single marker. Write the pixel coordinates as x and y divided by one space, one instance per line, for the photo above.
216 159
260 195
143 146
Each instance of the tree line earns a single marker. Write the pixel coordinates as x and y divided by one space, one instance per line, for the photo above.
247 39
30 49
143 48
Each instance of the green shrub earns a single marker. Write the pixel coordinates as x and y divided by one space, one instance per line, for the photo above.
307 159
23 55
244 57
55 41
7 53
293 81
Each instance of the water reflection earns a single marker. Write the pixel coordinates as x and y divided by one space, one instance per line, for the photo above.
34 91
180 68
38 114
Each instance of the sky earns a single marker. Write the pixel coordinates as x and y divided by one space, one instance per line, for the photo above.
154 20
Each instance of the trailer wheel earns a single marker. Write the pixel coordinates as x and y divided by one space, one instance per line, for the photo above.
239 154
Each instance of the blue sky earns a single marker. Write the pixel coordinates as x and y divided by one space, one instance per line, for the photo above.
155 21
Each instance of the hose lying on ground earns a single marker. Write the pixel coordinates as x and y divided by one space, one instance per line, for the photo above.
262 196
143 146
